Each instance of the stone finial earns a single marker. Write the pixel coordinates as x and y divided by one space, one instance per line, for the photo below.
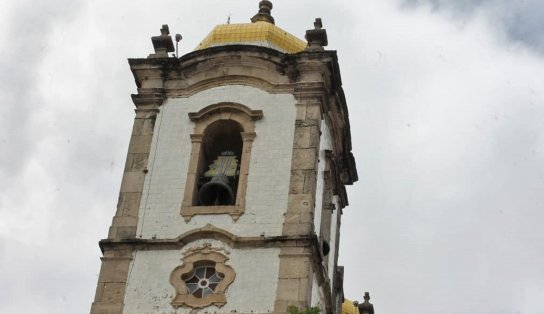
163 43
265 8
366 307
317 37
318 24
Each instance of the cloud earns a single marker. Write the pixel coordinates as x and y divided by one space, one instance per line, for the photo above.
449 146
56 164
522 21
27 27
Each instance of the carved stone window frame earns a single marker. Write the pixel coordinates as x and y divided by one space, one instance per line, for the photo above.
190 262
202 119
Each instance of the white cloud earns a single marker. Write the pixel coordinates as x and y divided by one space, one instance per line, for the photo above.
449 149
520 21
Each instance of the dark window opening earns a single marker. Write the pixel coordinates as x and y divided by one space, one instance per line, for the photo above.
219 168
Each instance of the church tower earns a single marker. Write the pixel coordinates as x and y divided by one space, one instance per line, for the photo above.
234 182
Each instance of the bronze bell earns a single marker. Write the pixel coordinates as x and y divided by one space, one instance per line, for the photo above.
216 192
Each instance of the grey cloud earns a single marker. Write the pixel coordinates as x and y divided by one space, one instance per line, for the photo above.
29 24
526 23
50 283
462 5
522 21
449 152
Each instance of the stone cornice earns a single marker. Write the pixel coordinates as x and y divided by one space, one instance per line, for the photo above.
149 99
236 242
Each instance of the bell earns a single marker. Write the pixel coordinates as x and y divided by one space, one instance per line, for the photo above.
216 192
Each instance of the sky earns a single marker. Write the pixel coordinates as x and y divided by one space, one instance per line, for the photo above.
446 101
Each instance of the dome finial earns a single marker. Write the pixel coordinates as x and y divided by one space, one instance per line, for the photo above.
365 307
265 7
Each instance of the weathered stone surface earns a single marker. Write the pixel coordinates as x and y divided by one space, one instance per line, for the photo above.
300 203
291 218
288 289
291 251
304 289
136 162
122 221
290 229
312 112
126 232
296 185
307 218
302 137
99 308
304 158
128 204
133 182
294 268
310 181
301 111
315 134
114 270
148 126
140 144
113 293
99 292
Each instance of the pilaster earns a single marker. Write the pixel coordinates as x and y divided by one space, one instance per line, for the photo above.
110 290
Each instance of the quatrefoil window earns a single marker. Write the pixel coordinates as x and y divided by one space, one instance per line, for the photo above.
203 281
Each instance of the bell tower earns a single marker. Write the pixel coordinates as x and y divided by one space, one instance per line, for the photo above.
235 176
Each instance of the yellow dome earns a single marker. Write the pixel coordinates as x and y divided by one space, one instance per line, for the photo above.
259 33
349 308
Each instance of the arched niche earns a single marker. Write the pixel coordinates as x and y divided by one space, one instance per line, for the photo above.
223 131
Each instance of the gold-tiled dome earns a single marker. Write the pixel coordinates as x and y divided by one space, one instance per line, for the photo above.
349 308
259 33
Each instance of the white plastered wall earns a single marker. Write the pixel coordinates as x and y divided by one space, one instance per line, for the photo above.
324 144
252 291
269 169
334 234
317 295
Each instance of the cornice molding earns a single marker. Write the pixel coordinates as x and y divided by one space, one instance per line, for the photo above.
209 232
